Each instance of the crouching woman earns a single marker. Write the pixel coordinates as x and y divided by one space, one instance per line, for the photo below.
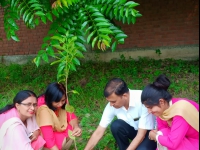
18 127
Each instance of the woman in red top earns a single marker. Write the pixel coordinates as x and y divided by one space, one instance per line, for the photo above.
53 119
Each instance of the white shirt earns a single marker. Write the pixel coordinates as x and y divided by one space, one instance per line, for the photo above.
136 110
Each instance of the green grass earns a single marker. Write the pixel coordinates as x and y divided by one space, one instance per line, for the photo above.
89 80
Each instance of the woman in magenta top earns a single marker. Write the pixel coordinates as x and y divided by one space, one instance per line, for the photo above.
53 119
176 133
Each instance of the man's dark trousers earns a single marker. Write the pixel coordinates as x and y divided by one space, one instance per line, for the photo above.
123 133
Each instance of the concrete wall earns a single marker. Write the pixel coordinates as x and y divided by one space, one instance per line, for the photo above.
181 52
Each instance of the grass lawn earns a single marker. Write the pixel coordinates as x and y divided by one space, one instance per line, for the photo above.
89 80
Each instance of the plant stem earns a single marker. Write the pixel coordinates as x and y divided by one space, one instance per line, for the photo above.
75 144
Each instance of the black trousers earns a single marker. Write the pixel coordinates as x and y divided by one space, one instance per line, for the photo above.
123 133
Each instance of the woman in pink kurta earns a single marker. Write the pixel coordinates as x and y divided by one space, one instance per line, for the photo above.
54 120
176 133
18 123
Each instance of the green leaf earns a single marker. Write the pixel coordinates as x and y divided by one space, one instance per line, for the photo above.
121 41
75 92
54 42
108 10
31 19
126 12
27 18
37 21
15 38
81 39
37 9
46 38
70 21
101 19
25 14
103 8
138 15
11 22
32 1
79 54
106 43
44 45
37 61
58 38
55 13
114 45
72 67
94 41
81 14
59 47
64 3
70 135
121 35
62 30
88 29
131 4
97 14
79 44
61 67
40 53
12 3
124 20
111 15
133 20
45 57
105 30
106 37
36 5
66 25
44 19
57 61
39 13
122 2
50 51
22 10
49 16
121 12
116 2
103 24
110 1
90 36
16 3
84 25
116 9
76 61
92 9
129 19
117 31
133 13
83 49
14 15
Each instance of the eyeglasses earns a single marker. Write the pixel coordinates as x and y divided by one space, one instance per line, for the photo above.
30 104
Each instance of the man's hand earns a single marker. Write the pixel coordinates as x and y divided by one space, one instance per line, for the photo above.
96 136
